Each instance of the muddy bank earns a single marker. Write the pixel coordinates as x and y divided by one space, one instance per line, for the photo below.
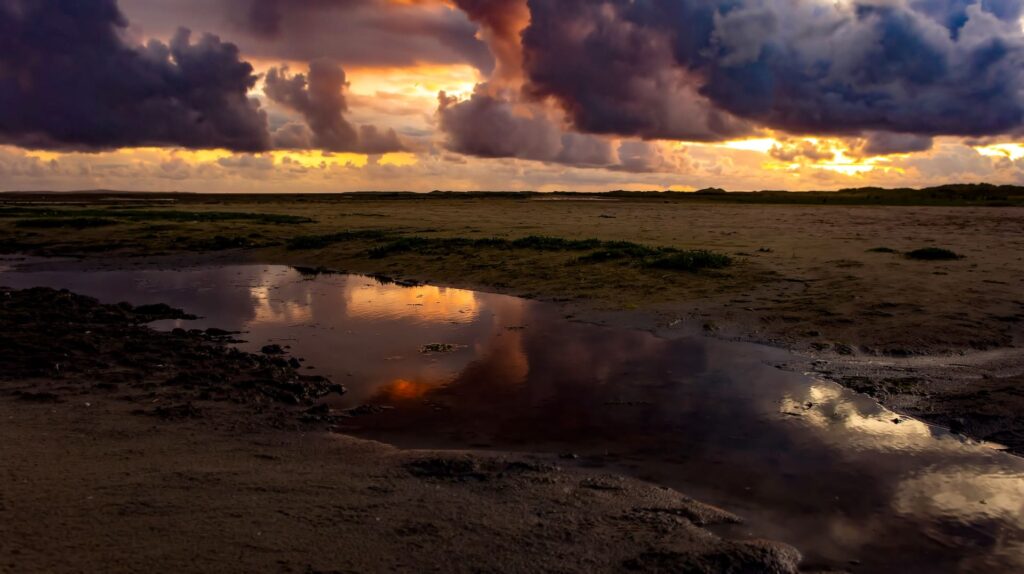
126 447
57 341
980 395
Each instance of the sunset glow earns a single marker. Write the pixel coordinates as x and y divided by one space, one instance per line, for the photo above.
425 94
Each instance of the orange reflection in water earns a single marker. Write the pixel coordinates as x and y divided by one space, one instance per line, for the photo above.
426 302
404 390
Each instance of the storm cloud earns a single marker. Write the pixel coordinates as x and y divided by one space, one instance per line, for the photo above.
356 32
319 97
68 79
501 22
704 70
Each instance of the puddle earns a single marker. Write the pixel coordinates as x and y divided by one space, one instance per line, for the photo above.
803 460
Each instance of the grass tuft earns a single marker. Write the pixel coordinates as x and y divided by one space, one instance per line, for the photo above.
693 260
933 254
322 241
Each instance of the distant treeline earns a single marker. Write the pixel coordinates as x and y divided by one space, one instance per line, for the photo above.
982 194
978 194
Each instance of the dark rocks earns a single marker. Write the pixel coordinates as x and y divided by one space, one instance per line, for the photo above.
272 350
159 311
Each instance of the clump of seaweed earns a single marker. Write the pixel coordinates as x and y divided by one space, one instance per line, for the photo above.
438 348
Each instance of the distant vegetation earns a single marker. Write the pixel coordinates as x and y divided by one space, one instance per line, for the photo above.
945 195
981 194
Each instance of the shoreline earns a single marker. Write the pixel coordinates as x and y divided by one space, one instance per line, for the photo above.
119 453
971 392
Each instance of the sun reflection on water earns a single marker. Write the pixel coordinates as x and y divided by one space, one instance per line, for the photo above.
425 303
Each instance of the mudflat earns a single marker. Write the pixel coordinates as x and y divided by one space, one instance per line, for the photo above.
917 305
125 448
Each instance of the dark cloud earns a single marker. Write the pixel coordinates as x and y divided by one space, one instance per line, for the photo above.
501 22
616 76
319 97
885 143
356 32
686 69
492 126
68 79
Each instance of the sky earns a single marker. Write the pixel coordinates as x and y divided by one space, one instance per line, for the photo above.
586 95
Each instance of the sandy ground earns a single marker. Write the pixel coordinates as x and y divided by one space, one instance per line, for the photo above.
126 450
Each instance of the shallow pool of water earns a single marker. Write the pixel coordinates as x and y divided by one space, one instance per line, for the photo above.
849 483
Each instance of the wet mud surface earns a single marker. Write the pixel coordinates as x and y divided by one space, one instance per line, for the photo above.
56 343
126 446
854 486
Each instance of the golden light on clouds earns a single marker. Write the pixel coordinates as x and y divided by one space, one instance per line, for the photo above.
1012 151
420 82
318 160
399 159
762 145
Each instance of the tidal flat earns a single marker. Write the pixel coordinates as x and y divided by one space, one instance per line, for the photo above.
835 287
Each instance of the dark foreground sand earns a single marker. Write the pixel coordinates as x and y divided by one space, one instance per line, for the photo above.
118 457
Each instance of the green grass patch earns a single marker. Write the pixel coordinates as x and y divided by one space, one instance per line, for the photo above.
933 254
693 260
220 243
65 223
600 251
322 241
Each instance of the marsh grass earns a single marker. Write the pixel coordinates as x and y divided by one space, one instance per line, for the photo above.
322 241
152 215
65 223
933 254
692 260
221 243
600 251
